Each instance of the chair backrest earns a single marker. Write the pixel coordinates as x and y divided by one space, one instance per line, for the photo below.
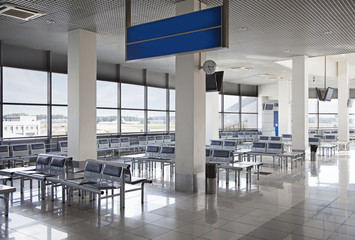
229 144
63 146
142 140
20 150
286 137
318 136
125 142
263 138
159 139
208 152
92 170
112 173
151 140
330 138
275 148
152 150
219 155
4 151
258 147
275 139
314 141
167 138
103 143
114 142
38 148
43 163
58 165
168 152
216 143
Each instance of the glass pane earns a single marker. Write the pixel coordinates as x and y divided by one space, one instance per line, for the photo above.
59 88
172 99
156 121
312 121
106 121
24 121
156 98
328 107
172 121
32 86
219 103
312 105
59 120
250 104
328 120
106 93
249 121
231 121
231 103
220 121
351 121
352 109
132 121
132 96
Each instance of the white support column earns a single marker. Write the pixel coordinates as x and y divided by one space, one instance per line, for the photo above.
212 121
299 103
190 85
343 96
284 88
82 95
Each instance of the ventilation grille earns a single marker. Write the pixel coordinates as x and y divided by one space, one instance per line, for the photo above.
18 12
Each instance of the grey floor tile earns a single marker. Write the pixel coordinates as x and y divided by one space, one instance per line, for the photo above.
280 226
347 230
312 232
149 231
219 234
240 228
264 233
175 235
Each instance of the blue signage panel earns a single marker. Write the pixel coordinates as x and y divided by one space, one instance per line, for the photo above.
176 25
189 42
190 32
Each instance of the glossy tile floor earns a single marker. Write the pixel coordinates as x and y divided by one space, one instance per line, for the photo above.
313 201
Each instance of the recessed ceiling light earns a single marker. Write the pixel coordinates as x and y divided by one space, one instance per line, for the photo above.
241 68
275 78
50 21
328 32
243 28
264 75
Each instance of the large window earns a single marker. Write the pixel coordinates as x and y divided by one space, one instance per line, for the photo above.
59 120
24 121
231 103
59 88
156 121
29 96
322 114
106 121
249 104
238 112
156 98
132 96
24 86
106 94
132 121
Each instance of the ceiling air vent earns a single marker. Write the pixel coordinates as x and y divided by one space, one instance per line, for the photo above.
18 12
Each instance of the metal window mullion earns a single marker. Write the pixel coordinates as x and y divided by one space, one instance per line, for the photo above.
49 95
145 102
1 93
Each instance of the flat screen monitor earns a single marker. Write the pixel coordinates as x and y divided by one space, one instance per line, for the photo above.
319 94
328 94
268 106
214 82
219 80
211 84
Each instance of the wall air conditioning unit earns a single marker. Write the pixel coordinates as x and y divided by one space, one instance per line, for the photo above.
18 12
